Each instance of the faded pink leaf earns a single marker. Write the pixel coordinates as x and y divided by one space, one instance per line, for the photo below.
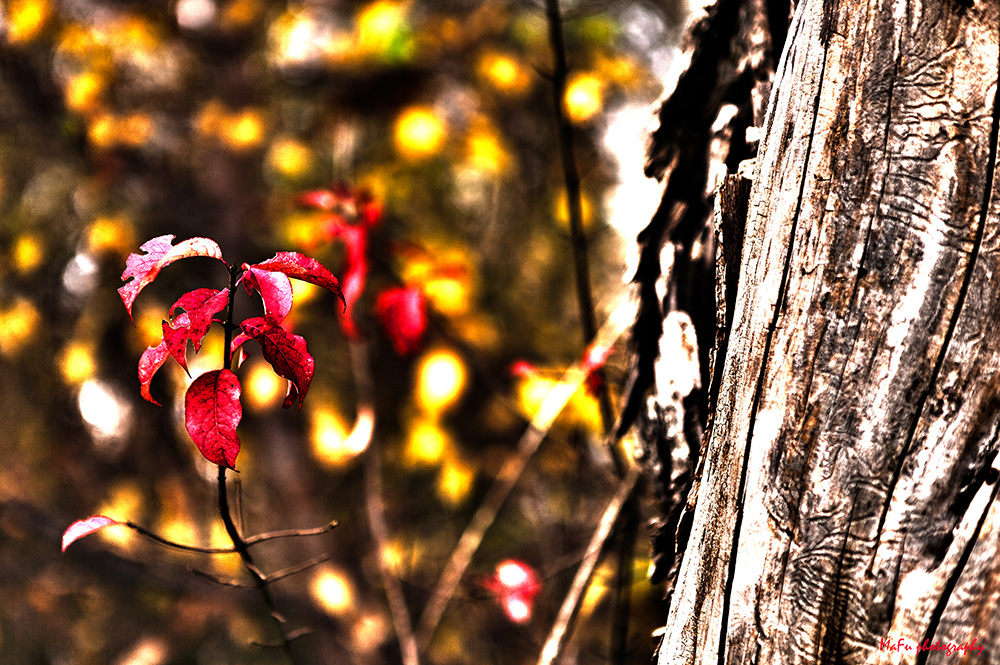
300 266
142 269
274 288
81 528
212 411
149 363
287 354
401 312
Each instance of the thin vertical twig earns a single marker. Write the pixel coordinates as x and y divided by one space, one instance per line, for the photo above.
239 544
375 503
503 484
562 628
574 201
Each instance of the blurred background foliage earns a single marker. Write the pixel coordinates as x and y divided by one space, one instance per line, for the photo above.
121 120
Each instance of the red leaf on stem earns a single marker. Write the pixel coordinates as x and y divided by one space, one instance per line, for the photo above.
201 305
142 269
149 363
300 266
287 354
274 289
401 312
212 410
81 528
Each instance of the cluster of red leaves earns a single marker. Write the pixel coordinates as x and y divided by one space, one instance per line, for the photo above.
349 217
212 408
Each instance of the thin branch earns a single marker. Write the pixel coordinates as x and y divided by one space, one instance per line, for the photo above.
298 568
574 200
289 533
563 626
502 485
574 204
175 545
375 504
218 580
239 544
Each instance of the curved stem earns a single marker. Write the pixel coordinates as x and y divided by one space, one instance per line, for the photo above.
177 546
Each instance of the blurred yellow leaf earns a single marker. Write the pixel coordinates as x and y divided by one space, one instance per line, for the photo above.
504 72
83 91
455 480
290 157
262 388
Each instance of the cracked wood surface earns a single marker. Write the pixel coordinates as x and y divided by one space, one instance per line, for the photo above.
847 494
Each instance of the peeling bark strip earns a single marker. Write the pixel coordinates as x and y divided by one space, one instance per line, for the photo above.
846 497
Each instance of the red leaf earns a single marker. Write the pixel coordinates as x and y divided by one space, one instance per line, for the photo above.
176 339
302 267
151 361
401 312
142 269
287 354
274 289
212 410
81 528
355 240
201 305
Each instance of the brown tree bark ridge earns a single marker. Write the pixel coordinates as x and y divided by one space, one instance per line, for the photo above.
846 494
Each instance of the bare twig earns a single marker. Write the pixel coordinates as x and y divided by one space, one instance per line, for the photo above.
401 620
175 545
562 627
502 485
290 533
297 568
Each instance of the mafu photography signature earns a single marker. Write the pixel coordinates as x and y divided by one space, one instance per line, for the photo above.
948 648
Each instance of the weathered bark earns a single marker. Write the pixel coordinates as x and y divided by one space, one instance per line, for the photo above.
846 494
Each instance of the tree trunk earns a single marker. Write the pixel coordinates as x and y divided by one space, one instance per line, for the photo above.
845 498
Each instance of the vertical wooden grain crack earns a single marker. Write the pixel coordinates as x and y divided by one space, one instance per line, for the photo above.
762 373
983 214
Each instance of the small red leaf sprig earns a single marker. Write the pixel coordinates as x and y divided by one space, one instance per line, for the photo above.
212 408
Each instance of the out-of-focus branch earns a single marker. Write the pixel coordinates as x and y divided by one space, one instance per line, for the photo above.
502 485
562 628
375 504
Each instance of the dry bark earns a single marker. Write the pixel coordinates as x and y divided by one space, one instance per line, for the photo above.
847 490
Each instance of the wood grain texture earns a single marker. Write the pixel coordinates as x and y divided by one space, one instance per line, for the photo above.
847 489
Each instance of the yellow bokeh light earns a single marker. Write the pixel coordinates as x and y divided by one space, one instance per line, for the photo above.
332 590
18 324
149 321
419 133
26 18
448 295
303 292
135 129
379 24
243 130
76 362
123 504
28 253
333 444
102 131
584 97
110 234
532 391
290 158
226 564
504 73
83 91
562 211
241 14
426 443
177 528
441 378
486 152
262 388
455 481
